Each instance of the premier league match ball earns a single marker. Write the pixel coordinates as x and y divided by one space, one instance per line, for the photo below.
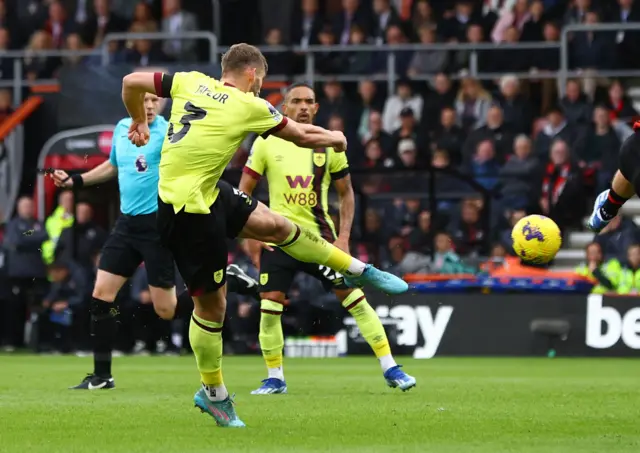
536 239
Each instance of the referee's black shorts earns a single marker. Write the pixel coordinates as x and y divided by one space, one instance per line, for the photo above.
630 160
199 241
134 240
277 271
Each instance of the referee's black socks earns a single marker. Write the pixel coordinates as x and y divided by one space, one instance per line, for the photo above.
104 326
612 205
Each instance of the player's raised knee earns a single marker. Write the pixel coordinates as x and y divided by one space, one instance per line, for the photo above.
103 294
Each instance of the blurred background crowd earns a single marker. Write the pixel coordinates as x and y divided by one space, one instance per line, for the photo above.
443 166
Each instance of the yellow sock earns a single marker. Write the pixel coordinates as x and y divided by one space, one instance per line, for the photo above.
308 247
271 337
206 341
368 323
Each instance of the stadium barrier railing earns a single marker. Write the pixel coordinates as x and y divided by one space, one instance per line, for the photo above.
388 75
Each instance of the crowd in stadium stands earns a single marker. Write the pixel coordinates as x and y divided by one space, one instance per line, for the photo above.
526 148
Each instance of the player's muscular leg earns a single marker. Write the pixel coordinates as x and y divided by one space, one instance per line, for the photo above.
267 226
355 302
107 286
621 186
164 301
271 336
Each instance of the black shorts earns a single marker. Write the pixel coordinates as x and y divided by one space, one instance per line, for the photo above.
277 270
199 241
630 160
134 240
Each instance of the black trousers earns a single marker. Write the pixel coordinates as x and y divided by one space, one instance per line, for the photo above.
26 297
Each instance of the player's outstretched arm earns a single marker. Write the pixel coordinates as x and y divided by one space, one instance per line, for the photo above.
102 173
347 201
310 136
134 87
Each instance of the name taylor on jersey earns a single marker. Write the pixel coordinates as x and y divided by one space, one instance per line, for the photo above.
220 97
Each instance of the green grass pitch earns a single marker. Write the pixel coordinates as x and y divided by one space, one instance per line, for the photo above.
461 405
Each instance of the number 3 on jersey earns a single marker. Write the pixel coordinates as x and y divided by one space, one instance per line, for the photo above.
195 113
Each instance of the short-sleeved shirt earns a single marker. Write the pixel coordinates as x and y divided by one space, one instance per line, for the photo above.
138 167
299 180
209 120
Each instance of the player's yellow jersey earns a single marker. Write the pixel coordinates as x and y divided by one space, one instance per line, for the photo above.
299 180
209 120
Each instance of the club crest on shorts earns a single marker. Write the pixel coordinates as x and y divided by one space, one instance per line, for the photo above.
141 164
319 158
264 278
217 275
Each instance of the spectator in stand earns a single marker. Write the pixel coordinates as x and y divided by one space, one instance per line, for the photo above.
79 10
23 238
335 102
384 15
90 239
562 188
468 232
472 104
37 67
493 129
532 28
176 21
402 261
404 97
514 60
305 30
408 154
403 215
449 135
626 11
516 109
279 63
556 128
6 64
377 133
352 13
515 16
485 167
617 237
596 269
598 146
6 108
369 103
74 42
505 236
102 22
628 279
520 176
358 62
496 258
592 50
329 62
374 156
575 104
395 37
58 25
455 26
546 60
9 24
32 16
445 183
60 219
577 12
619 104
409 130
422 15
420 237
484 58
143 17
374 236
446 260
63 307
144 53
425 62
440 96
